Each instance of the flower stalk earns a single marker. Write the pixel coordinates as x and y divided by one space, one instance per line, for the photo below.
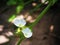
41 15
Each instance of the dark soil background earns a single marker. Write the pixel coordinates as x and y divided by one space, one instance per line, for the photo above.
42 34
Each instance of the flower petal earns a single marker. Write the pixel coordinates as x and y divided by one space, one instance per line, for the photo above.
19 22
27 32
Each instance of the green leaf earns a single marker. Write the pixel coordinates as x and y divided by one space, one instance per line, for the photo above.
19 8
11 2
54 1
11 18
20 40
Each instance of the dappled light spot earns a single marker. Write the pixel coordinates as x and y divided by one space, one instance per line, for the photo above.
3 39
43 1
26 15
34 4
51 28
20 16
1 28
30 19
9 33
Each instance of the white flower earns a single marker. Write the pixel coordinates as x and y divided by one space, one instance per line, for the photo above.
27 32
19 22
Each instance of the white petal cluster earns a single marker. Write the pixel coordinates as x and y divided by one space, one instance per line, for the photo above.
19 22
27 32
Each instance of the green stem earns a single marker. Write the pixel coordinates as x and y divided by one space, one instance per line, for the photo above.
20 2
53 1
35 8
41 15
28 2
20 40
